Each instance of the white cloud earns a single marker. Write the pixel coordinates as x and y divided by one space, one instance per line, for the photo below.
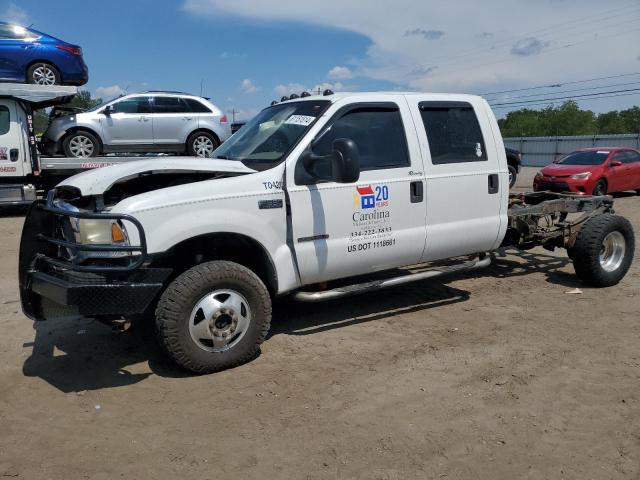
340 73
288 89
461 62
109 92
247 86
14 14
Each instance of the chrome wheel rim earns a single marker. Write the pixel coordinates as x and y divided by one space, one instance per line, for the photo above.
43 75
219 320
612 251
203 146
510 177
81 146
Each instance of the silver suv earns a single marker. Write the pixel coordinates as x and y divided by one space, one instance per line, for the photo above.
140 122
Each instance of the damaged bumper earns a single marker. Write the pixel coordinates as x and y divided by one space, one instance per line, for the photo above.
61 277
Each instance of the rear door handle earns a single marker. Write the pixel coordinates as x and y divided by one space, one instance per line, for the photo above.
416 191
494 183
13 154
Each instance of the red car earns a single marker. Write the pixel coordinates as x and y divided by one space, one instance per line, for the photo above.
592 171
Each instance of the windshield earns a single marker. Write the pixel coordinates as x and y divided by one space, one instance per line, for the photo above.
268 137
591 157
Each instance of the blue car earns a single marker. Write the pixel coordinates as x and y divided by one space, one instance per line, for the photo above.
30 56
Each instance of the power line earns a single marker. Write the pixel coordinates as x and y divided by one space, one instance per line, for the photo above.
566 98
579 100
593 96
565 91
562 84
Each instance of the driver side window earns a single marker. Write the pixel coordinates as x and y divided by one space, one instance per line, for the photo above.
377 131
132 105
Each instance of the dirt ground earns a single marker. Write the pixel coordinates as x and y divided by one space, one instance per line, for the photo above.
499 375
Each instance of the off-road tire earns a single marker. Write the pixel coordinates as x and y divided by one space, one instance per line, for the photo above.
179 299
513 173
67 145
45 68
585 253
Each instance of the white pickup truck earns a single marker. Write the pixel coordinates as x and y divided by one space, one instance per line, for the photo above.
318 197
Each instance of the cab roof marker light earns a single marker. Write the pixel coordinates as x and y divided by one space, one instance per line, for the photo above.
294 96
274 102
305 94
327 92
284 98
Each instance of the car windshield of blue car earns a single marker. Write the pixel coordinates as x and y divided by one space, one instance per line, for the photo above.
266 139
591 157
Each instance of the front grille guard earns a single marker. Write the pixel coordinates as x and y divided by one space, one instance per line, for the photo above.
52 239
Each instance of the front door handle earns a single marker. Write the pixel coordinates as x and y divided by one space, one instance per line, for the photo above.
494 183
416 191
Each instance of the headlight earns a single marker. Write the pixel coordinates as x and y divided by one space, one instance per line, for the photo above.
581 176
104 231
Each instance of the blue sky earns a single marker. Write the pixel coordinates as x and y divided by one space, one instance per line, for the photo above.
247 52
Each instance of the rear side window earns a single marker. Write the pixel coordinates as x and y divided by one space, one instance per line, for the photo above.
169 105
378 132
132 105
195 106
5 119
453 132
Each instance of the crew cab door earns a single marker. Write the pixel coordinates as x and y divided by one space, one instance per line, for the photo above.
13 145
340 230
129 123
466 176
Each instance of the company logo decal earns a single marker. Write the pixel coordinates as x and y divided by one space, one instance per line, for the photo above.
364 197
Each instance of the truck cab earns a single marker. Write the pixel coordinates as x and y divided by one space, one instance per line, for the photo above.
315 197
19 161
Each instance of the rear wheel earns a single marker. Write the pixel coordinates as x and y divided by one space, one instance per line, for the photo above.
81 144
603 251
202 144
43 73
214 316
600 188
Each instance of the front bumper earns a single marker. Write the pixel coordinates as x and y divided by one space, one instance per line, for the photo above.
561 185
52 286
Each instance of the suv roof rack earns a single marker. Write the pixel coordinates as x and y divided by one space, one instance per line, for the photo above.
168 91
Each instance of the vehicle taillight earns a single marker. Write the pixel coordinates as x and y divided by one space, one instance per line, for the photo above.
70 49
223 119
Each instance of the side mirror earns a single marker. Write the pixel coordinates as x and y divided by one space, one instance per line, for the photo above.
108 110
615 163
344 163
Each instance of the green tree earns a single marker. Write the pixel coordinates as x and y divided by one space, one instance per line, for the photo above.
631 120
610 122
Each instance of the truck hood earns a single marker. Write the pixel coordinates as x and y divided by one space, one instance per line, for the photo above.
99 180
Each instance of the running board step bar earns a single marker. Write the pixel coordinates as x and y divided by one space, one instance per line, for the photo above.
356 288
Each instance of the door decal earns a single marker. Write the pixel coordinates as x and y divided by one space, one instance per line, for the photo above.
371 219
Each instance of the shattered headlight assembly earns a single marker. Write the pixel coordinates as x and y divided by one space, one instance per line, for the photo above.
581 176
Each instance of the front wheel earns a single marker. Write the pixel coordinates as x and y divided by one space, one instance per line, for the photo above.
600 188
202 144
81 144
603 250
214 316
42 73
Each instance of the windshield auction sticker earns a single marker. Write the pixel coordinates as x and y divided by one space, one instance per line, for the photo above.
303 120
371 219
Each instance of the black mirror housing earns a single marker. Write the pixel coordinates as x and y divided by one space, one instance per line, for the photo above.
108 110
344 161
